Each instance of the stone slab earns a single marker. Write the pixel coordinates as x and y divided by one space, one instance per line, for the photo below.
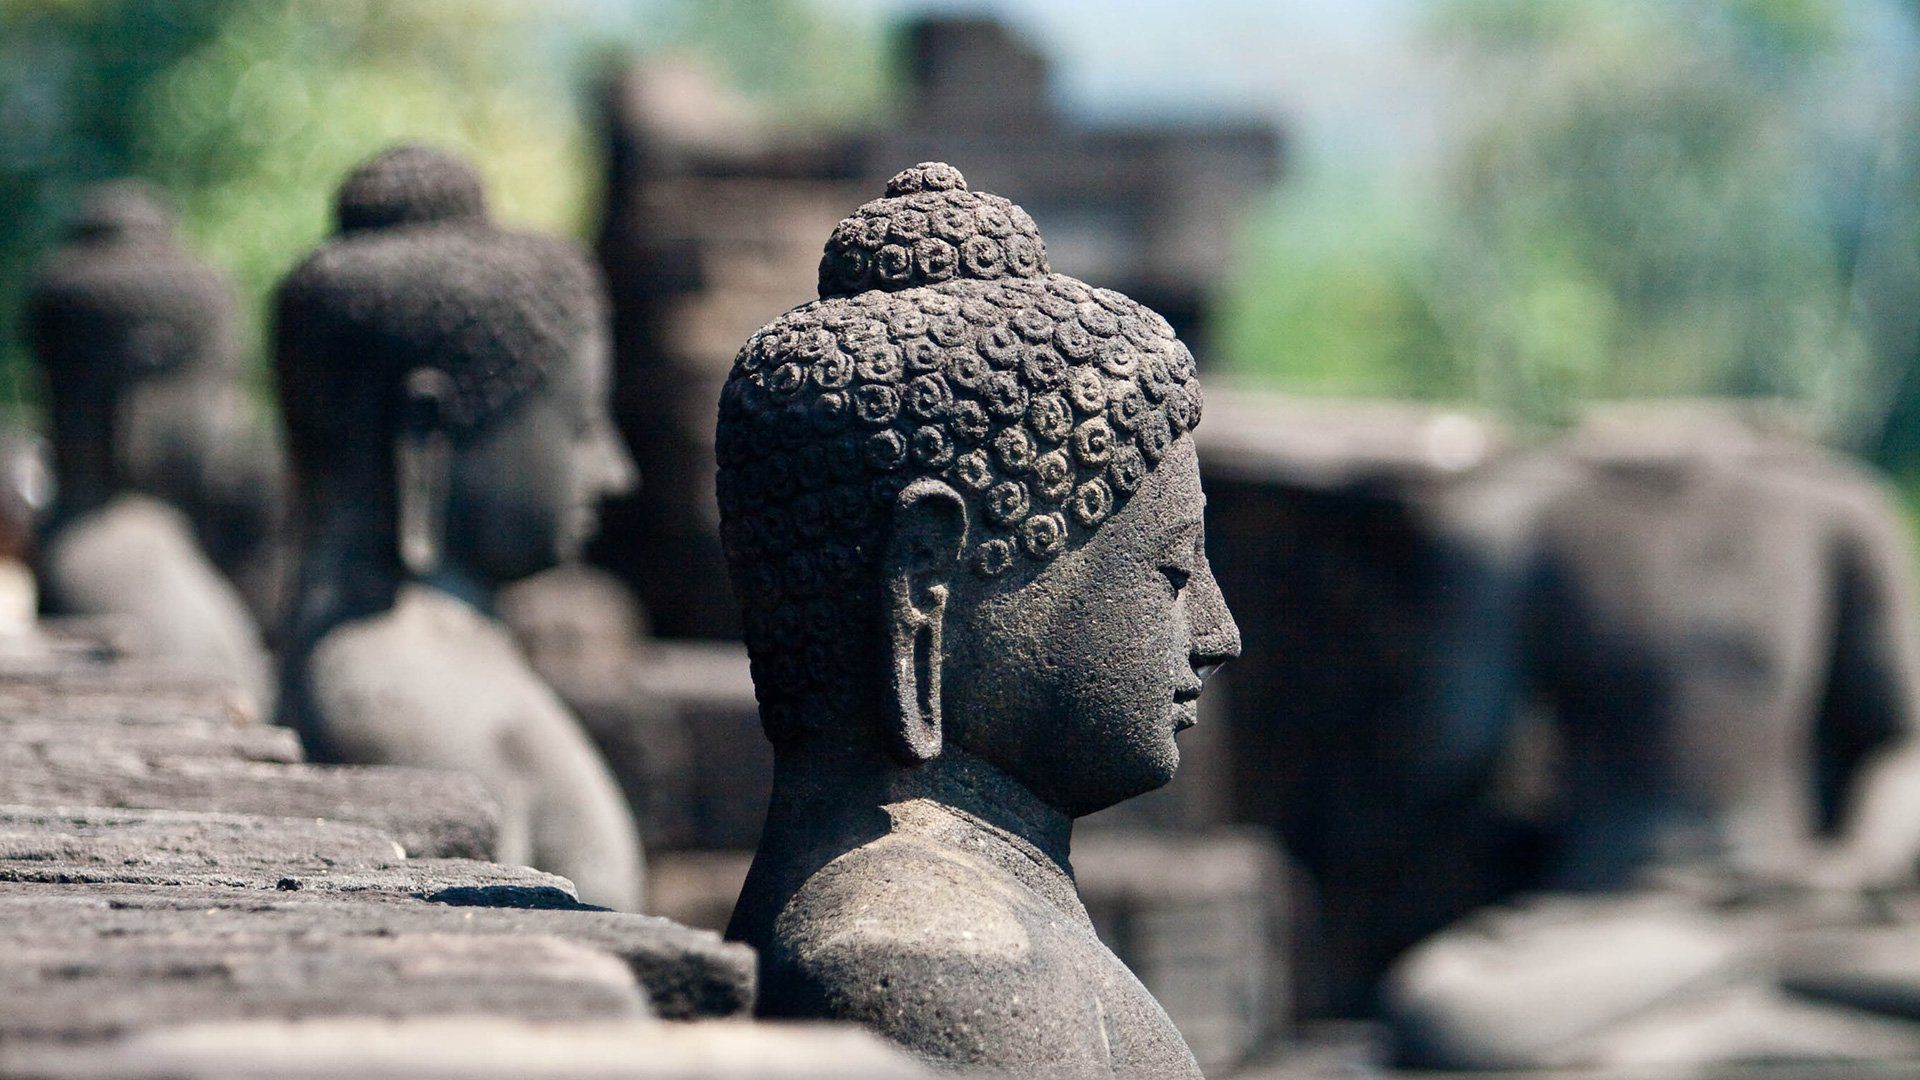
38 706
171 841
486 1048
89 986
430 813
687 974
176 737
52 700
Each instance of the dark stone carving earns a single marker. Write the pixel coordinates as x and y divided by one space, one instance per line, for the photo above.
444 385
164 475
962 513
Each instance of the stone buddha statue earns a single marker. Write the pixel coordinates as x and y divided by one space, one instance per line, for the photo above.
1727 640
962 513
150 434
444 383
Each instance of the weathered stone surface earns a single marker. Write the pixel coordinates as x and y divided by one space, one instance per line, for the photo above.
431 813
476 1049
86 986
180 737
52 700
494 341
963 515
687 974
164 841
1199 918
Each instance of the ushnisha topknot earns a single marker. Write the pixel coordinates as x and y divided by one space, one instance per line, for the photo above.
121 300
929 229
410 185
492 310
1043 401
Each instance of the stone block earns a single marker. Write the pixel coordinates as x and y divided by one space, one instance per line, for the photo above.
687 974
430 813
86 986
184 736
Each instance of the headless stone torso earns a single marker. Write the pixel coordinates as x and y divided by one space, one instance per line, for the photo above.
1724 636
897 911
1686 699
1699 630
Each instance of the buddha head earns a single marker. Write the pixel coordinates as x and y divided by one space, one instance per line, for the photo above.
136 338
962 510
444 381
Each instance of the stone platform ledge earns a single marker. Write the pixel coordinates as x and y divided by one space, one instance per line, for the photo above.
687 974
184 736
88 987
430 812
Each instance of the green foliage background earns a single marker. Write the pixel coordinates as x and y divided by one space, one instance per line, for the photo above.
248 112
1634 198
1638 200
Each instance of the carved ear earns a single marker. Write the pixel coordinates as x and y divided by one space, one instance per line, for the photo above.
923 554
423 466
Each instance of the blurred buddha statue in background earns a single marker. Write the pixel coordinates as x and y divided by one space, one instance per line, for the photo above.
444 383
159 461
963 516
1723 630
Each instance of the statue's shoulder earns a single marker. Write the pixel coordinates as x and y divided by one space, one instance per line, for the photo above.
427 656
945 954
132 533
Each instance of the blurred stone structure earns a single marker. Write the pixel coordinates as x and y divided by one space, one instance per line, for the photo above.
444 382
1723 627
711 221
163 476
1375 553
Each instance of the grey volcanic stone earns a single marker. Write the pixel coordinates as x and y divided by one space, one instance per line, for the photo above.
89 985
962 512
430 813
167 841
79 695
183 737
477 1048
688 974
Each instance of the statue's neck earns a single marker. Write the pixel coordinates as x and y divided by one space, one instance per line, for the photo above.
350 568
828 800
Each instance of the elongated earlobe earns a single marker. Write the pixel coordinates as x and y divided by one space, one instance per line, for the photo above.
423 465
929 532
